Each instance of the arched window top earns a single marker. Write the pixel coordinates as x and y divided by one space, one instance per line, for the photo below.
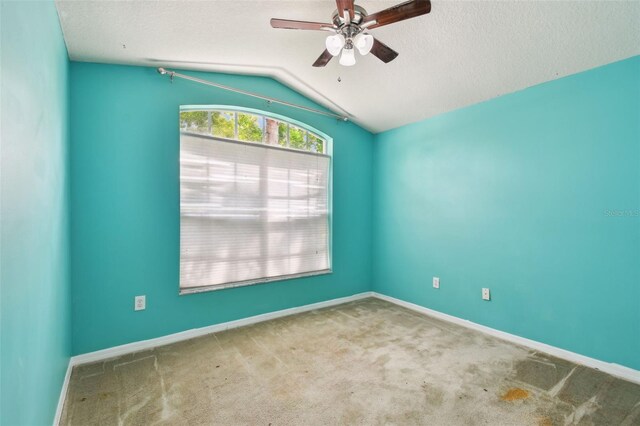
251 126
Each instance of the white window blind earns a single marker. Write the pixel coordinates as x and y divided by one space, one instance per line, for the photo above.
250 213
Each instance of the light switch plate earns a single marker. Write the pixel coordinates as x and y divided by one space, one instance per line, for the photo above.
436 282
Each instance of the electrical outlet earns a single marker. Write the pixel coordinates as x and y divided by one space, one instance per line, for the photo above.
436 282
485 294
140 303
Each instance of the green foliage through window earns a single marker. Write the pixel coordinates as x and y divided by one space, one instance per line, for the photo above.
250 128
224 124
316 144
282 134
297 138
193 121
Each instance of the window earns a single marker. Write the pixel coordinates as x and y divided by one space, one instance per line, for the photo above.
254 200
249 127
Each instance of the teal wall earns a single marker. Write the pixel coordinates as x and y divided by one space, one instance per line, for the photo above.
35 294
516 194
125 204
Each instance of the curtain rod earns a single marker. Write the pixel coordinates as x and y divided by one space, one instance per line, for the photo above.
172 74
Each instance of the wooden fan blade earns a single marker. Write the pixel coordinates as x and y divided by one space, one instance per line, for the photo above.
300 25
397 13
383 52
345 5
323 59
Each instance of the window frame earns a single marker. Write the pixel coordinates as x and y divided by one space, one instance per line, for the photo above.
327 152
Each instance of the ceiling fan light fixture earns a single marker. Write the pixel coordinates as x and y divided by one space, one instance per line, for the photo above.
349 24
364 43
335 43
348 57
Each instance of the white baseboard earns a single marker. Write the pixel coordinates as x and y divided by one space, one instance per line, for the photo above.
616 370
63 395
196 332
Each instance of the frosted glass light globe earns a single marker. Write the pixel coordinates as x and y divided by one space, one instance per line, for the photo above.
348 58
334 43
364 43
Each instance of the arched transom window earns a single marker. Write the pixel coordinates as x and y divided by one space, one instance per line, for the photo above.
248 127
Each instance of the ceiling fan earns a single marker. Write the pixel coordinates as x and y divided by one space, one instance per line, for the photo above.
349 25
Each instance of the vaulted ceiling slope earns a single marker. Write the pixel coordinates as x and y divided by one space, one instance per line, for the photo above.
461 53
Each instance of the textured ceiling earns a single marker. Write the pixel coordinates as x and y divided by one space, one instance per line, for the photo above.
462 53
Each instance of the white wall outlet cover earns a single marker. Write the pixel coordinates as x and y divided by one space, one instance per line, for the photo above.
140 303
485 294
436 282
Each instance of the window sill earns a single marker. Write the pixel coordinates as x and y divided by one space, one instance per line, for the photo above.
203 289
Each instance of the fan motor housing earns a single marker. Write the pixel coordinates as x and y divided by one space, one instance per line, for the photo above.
358 15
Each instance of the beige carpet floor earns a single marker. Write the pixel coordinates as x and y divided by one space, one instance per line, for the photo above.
364 363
